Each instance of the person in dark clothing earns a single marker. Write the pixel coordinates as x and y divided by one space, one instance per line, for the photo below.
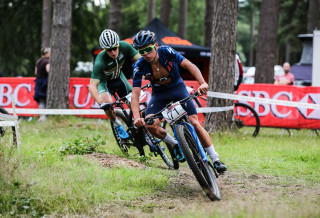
42 71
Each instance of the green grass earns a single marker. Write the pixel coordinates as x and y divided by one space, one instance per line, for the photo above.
38 179
272 154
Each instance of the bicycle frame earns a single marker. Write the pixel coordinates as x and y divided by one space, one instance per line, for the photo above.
196 138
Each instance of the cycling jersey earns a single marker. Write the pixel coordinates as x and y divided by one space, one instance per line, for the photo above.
106 68
168 58
119 85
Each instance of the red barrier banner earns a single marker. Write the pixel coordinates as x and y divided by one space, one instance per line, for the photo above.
22 90
270 115
283 116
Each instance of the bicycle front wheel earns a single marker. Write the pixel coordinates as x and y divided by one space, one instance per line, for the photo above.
245 115
199 167
125 144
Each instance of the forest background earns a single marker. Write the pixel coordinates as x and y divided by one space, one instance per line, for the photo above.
21 22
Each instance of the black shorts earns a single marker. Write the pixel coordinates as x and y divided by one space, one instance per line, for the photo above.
163 95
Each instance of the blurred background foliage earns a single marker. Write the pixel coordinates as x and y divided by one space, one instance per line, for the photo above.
20 25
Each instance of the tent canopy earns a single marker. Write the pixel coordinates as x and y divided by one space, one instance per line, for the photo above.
167 37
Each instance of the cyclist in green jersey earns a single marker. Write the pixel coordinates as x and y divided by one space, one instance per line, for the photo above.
107 75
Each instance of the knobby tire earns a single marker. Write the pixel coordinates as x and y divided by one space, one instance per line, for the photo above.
200 169
255 116
125 144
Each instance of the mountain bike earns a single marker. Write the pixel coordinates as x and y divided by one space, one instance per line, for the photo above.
244 115
190 145
139 137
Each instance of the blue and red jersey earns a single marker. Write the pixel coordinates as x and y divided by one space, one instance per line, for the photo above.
168 58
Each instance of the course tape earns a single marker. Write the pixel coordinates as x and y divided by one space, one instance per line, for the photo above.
263 100
8 123
8 117
200 110
96 111
58 111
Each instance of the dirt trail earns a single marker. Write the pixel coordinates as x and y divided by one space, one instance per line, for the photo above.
259 196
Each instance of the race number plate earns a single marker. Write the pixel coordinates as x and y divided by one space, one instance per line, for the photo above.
141 97
174 113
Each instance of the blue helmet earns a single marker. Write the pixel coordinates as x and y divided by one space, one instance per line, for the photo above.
144 38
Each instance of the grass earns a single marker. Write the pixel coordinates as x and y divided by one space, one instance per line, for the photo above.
272 154
39 179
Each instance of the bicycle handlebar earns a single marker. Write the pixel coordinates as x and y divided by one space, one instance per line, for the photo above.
150 120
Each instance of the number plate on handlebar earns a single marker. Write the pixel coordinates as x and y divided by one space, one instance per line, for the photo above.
141 97
173 113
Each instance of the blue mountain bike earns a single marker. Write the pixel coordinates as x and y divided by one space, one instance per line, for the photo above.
190 145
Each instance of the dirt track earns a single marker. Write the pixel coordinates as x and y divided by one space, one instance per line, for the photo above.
242 194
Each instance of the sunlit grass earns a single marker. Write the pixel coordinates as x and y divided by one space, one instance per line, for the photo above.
38 180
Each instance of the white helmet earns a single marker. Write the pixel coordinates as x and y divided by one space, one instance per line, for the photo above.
108 39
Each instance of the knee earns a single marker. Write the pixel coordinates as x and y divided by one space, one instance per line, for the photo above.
195 122
151 128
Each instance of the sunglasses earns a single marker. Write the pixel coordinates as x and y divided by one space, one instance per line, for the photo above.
146 50
112 49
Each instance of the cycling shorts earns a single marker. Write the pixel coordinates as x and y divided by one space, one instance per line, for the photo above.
162 95
119 85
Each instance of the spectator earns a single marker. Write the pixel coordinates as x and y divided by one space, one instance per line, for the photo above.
42 71
287 78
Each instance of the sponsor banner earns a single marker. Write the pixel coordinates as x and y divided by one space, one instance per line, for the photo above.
264 98
301 110
22 90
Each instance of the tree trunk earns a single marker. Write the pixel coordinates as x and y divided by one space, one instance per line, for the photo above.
151 10
165 12
313 15
222 62
115 15
183 13
267 41
58 86
252 26
46 23
208 23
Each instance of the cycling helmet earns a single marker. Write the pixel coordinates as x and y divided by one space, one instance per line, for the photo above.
144 38
108 39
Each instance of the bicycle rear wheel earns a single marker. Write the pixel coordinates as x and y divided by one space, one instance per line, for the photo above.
245 115
199 167
125 144
166 153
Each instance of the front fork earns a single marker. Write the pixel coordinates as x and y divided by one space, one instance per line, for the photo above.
195 137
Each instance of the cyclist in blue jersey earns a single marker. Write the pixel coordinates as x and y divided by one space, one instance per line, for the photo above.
159 64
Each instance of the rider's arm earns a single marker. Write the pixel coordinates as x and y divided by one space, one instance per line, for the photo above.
135 107
94 90
195 72
136 57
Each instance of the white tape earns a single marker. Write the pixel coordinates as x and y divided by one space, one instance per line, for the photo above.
263 100
8 117
58 111
8 123
214 109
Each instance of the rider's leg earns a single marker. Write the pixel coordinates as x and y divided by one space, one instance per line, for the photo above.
207 144
160 133
106 98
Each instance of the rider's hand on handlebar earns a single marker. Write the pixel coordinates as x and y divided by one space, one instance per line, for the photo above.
203 88
105 106
139 122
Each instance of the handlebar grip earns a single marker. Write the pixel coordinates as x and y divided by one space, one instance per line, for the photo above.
149 121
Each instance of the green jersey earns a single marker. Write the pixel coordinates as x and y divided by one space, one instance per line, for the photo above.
106 68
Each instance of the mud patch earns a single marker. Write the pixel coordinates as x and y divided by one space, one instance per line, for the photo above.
114 161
